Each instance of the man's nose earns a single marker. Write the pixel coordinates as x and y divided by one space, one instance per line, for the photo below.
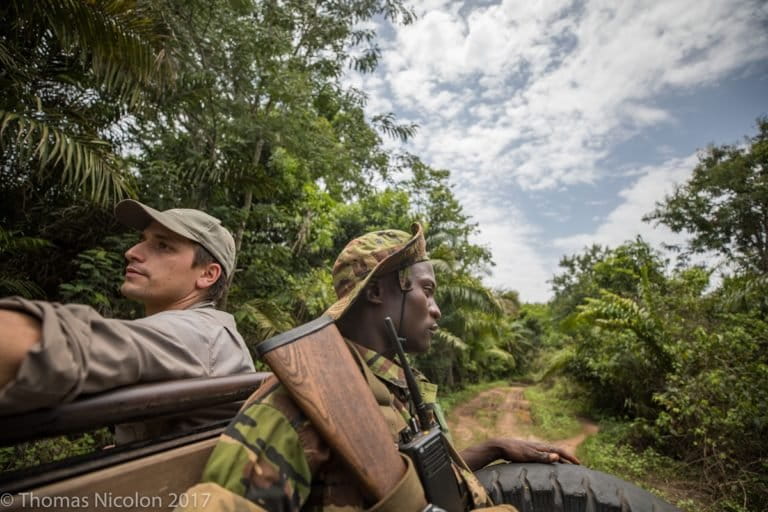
134 253
434 311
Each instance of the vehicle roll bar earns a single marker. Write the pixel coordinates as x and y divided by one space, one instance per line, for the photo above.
130 403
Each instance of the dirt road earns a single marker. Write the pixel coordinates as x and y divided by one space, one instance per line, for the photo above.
502 411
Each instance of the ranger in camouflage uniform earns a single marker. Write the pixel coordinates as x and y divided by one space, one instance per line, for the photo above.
272 456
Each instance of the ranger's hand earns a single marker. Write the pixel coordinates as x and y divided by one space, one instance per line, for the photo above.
514 450
517 450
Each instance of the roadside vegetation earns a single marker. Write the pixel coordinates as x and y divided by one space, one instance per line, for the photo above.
677 361
57 448
241 109
556 410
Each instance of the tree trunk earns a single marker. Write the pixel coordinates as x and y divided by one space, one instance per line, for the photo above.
246 209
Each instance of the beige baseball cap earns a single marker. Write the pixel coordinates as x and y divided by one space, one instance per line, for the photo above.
195 225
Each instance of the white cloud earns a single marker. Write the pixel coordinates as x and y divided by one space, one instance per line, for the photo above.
625 221
507 233
572 78
535 95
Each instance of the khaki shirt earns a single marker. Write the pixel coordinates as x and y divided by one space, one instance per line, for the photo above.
83 352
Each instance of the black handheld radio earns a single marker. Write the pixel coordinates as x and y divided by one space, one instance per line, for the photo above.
425 443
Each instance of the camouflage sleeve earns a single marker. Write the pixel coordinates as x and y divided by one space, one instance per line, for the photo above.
268 452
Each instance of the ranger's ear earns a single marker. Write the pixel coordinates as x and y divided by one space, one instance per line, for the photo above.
373 292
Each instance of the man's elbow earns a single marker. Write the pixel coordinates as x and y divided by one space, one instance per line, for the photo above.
19 332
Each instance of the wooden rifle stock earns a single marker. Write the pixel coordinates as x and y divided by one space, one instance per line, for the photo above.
315 364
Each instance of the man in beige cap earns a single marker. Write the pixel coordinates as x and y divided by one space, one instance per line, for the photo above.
50 353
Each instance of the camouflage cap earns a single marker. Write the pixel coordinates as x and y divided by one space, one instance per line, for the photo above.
373 254
194 225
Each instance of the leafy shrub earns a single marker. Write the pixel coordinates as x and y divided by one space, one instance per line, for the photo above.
609 451
97 281
555 408
716 408
34 453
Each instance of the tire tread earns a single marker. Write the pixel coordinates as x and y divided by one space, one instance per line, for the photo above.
566 488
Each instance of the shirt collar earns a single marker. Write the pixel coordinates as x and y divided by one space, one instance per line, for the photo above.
383 368
391 372
202 304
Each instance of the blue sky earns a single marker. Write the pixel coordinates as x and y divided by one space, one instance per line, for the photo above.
561 121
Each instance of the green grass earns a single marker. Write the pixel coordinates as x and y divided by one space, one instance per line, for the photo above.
456 398
43 451
555 410
672 480
607 452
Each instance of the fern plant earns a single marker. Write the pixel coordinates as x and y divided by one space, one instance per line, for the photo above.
12 246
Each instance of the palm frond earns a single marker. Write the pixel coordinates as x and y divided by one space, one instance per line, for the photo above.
502 354
262 317
83 163
6 57
478 298
478 324
436 239
440 266
444 336
509 300
11 285
10 242
618 313
746 289
558 362
615 312
120 38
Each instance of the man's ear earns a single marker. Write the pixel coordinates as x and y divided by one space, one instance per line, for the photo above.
209 274
373 292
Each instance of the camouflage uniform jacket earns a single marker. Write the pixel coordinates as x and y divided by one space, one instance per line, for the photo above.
272 448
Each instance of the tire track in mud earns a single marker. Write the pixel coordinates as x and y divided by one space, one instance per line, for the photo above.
503 412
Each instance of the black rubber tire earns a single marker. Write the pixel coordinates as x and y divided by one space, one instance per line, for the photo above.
566 488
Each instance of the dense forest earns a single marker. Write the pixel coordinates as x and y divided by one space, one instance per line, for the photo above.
240 108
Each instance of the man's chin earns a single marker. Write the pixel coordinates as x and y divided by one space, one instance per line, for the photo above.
419 347
129 292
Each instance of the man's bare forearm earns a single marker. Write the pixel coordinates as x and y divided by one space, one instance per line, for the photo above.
480 455
18 333
514 450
